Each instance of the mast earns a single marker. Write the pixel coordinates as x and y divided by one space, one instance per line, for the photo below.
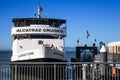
39 10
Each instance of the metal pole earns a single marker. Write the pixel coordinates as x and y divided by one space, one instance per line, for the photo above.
54 71
15 72
84 71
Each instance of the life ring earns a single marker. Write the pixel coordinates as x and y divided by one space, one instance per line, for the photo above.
40 41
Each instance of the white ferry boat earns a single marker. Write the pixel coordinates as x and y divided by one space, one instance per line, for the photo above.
38 39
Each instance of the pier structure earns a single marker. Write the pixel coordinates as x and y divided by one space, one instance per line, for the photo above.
80 49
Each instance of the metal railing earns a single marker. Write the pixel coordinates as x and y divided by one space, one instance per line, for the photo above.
59 71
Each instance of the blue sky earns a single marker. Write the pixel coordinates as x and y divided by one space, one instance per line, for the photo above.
100 17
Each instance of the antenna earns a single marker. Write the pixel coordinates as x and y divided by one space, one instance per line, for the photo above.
39 10
34 13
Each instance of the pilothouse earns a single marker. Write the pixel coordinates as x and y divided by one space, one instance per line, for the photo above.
38 39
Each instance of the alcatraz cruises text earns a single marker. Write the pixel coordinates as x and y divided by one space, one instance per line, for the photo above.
39 30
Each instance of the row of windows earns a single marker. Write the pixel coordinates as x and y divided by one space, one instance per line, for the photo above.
37 37
28 23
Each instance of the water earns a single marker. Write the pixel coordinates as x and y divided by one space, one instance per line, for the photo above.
5 56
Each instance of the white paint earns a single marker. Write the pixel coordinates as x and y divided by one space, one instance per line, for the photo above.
40 50
103 49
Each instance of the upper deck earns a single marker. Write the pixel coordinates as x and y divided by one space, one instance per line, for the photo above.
24 22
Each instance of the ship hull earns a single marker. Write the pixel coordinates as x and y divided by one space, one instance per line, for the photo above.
34 52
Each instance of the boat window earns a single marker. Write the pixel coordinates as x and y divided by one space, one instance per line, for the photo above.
37 36
44 36
22 22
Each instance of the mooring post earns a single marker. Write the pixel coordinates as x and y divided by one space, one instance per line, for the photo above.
103 54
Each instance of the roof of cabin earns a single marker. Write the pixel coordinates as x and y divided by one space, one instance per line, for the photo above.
43 21
117 43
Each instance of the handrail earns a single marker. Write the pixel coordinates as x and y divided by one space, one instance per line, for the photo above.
59 63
